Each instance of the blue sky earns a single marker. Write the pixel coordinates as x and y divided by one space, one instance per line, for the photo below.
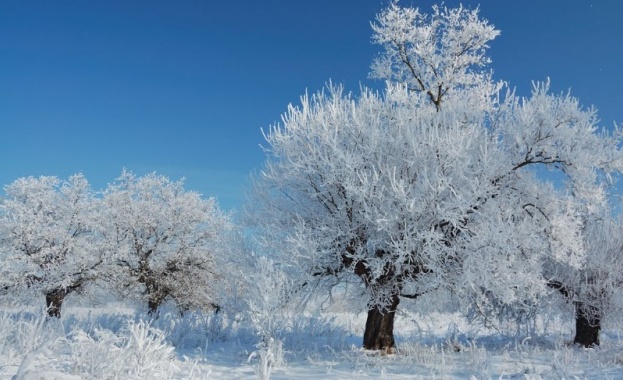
184 87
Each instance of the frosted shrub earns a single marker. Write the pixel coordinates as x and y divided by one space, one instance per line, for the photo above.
22 332
323 331
272 289
194 329
270 352
28 340
94 354
137 352
149 354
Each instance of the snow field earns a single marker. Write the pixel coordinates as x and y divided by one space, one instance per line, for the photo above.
116 342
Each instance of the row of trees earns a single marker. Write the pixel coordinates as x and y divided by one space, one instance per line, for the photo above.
143 237
435 185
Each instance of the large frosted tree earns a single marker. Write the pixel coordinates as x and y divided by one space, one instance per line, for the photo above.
166 242
50 236
431 183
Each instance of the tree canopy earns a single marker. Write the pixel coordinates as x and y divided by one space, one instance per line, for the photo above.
432 183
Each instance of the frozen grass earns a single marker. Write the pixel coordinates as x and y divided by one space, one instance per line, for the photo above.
115 342
37 348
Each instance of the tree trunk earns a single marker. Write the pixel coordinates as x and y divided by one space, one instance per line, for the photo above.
154 291
153 304
379 334
587 325
155 296
54 301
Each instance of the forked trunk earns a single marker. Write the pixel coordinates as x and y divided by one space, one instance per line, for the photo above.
54 302
379 334
587 325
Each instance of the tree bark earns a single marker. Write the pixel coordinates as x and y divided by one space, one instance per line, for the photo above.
587 325
587 319
153 304
54 301
379 333
155 296
154 290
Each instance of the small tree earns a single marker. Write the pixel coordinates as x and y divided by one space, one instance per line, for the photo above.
50 239
166 240
269 290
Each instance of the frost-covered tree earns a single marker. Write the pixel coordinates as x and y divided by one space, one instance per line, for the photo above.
436 55
165 241
432 183
595 289
50 240
551 132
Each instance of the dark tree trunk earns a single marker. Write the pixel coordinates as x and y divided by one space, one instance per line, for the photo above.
54 301
153 304
155 296
379 334
155 292
587 325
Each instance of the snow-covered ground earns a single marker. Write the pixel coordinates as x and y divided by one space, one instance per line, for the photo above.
115 342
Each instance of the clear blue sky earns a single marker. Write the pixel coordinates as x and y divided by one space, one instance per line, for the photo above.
183 87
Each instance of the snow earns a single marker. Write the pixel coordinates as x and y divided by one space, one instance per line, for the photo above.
115 342
428 190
